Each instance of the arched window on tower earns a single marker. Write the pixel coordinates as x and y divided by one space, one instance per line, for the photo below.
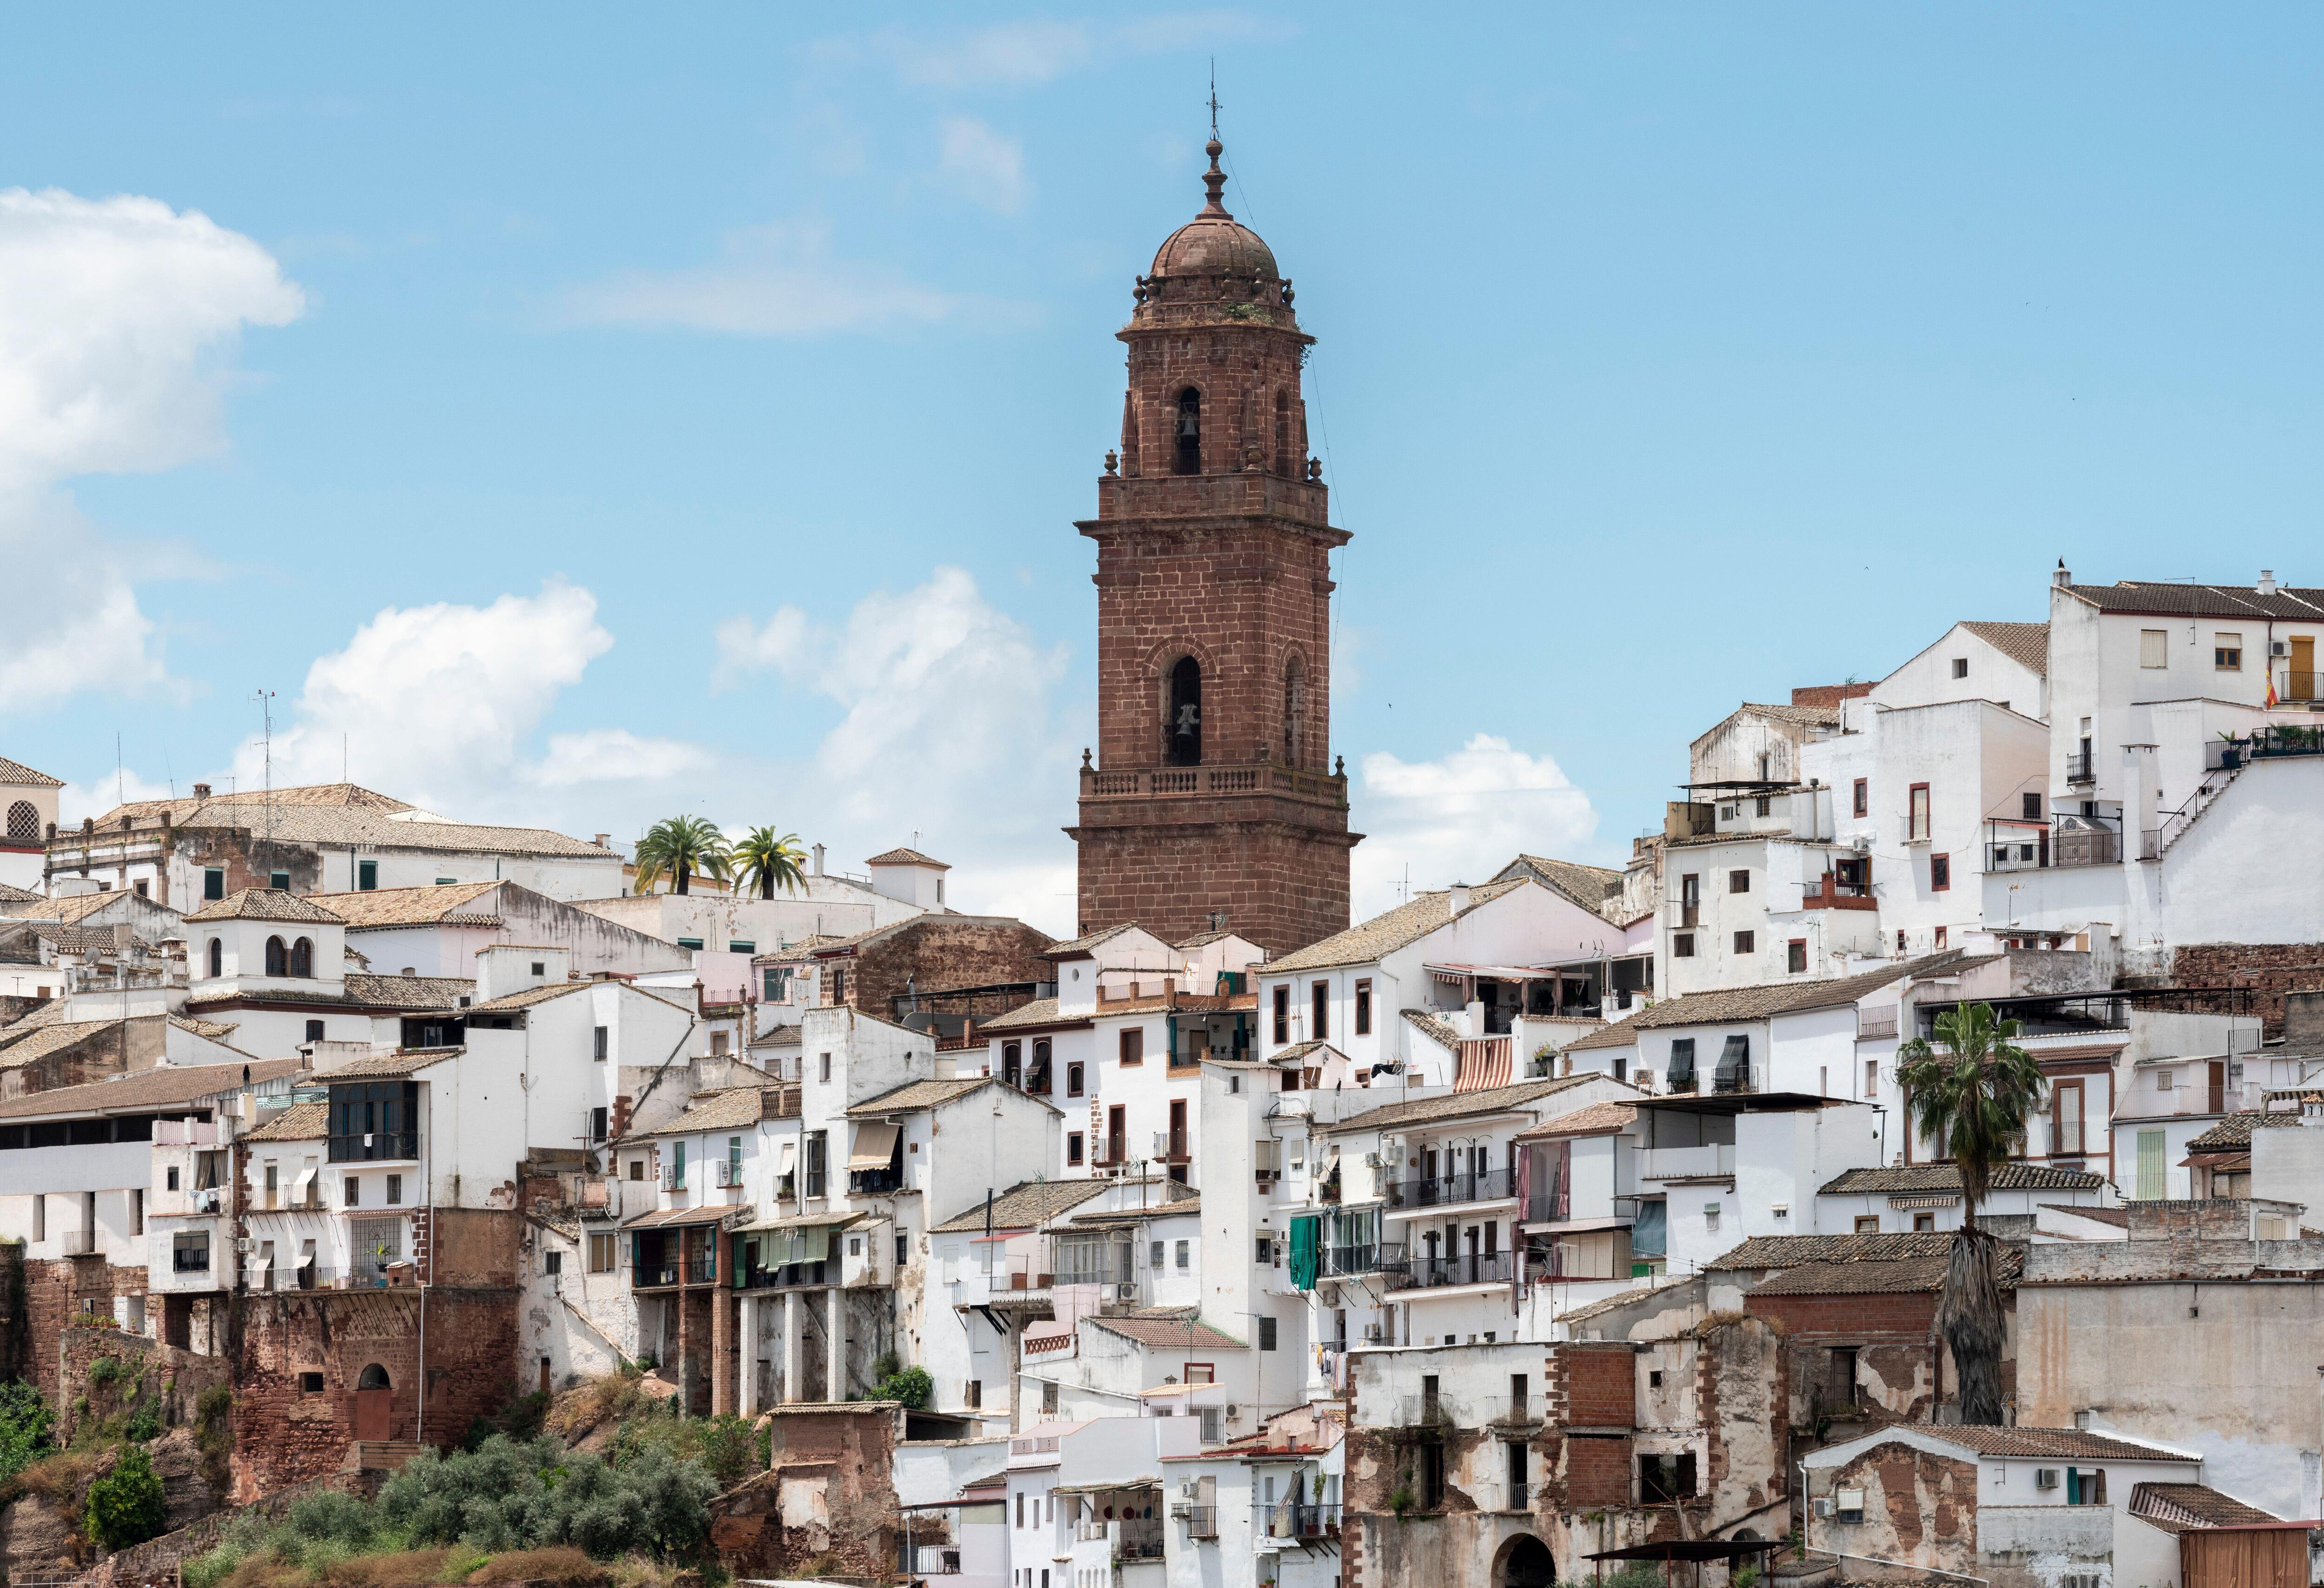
217 957
1283 457
1189 433
302 957
1182 735
23 821
277 958
1295 702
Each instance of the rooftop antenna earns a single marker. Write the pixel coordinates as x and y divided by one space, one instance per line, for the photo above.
265 698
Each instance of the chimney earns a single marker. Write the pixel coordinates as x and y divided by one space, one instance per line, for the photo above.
2062 576
818 860
1459 897
201 790
2266 585
599 839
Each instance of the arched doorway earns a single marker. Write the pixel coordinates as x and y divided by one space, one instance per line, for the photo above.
1525 1562
374 1400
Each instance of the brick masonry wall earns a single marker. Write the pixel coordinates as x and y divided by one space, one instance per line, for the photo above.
56 1291
146 1368
1596 1470
845 1457
2269 970
1596 1384
931 954
1280 885
284 1434
1853 1319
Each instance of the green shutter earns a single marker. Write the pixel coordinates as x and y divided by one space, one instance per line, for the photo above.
2150 1166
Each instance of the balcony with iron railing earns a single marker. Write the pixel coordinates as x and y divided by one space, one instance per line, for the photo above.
1451 1190
1478 1267
2079 768
2145 1101
1368 1258
1295 1519
1829 892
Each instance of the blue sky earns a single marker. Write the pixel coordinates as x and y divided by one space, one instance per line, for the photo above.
590 414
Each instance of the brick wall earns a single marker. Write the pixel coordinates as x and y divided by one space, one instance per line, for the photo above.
1854 1319
146 1369
839 1458
1280 884
2269 970
110 1051
56 1291
932 953
285 1432
1595 1384
1596 1470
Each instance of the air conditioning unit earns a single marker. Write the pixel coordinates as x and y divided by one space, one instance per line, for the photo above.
1186 1489
2045 1477
1374 1333
1371 1161
1861 843
1821 1505
1232 1410
2279 648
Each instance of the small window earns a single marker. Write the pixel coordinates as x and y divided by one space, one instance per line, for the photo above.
1937 938
2227 652
172 1182
395 1190
1073 1079
2154 648
1923 1222
311 1383
1154 1255
1738 882
1319 1006
973 1393
1283 1014
1683 946
1916 829
1364 1007
2163 1081
689 941
1184 1254
366 876
1072 1146
314 1030
823 1067
552 1263
602 1253
1960 667
1267 1334
1868 1224
214 882
741 946
637 1168
1746 942
354 1193
447 881
2031 806
278 881
597 1124
1940 872
1863 806
540 967
600 1043
1900 939
1795 956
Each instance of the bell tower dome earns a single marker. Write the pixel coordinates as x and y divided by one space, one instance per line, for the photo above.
1214 799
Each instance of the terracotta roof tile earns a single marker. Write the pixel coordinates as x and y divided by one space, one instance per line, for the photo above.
1407 923
2236 1129
735 1108
2176 1508
408 907
2178 600
1784 1252
302 1121
17 774
266 904
1434 1028
902 856
1598 1118
2026 644
2062 1443
1590 886
1460 1105
162 1086
1725 1005
1169 1334
913 1096
1026 1207
1946 1176
1877 1276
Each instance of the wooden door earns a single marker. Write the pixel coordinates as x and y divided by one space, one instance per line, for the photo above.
373 1413
2219 1097
2303 669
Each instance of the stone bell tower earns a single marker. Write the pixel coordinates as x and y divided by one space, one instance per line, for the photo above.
1214 797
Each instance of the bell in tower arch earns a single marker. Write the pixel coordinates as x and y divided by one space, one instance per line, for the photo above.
1188 431
1182 740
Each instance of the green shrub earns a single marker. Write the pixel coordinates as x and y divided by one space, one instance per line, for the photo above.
26 1426
145 1424
103 1370
912 1385
506 1495
125 1506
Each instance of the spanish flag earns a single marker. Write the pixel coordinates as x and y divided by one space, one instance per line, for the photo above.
2270 688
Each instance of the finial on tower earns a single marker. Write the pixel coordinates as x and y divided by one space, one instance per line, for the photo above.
1214 180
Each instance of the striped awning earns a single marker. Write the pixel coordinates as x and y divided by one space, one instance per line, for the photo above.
1484 1061
1932 1201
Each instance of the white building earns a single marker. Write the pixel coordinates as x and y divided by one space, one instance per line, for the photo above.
28 814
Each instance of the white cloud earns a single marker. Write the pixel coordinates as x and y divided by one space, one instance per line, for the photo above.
985 166
946 728
118 321
1025 54
778 279
439 704
1460 818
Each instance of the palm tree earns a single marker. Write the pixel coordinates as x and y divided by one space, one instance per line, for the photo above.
1970 1092
765 860
680 847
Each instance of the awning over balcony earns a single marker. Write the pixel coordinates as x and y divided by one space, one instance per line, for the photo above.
669 1217
875 1146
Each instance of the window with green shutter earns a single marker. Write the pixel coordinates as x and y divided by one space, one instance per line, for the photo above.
2150 1166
